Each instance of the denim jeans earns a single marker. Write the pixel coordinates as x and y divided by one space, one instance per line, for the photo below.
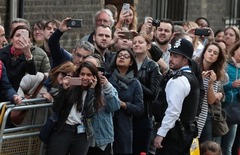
228 139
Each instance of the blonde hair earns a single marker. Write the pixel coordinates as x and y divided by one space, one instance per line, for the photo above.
236 31
189 25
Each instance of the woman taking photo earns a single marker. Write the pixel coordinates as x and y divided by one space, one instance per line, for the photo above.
17 57
123 77
127 20
212 63
75 105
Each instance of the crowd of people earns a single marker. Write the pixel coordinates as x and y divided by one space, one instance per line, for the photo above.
125 89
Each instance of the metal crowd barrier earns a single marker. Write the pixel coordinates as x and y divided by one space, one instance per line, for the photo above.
23 139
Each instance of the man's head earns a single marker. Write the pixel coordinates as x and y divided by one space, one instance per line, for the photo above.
114 11
104 17
83 49
3 40
49 28
180 54
102 37
164 32
17 22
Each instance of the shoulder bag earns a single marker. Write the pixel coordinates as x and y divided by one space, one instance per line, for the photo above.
233 113
17 116
219 124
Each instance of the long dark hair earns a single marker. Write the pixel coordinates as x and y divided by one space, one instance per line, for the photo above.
133 67
219 65
76 91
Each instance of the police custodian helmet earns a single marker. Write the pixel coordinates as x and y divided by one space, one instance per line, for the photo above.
183 47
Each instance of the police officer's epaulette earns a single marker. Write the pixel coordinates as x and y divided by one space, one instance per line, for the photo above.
177 74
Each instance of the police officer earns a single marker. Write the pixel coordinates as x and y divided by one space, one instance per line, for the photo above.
178 124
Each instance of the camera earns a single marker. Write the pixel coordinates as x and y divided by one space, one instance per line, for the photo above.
156 22
74 23
202 32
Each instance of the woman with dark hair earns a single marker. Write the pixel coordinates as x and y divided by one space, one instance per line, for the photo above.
219 34
17 57
75 105
212 63
124 78
37 32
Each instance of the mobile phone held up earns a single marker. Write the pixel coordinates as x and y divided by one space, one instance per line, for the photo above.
75 23
126 8
25 34
128 34
202 32
75 81
101 69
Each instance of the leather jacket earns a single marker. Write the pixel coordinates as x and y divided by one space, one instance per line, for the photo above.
149 76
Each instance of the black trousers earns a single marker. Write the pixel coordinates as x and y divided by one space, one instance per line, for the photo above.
142 130
98 151
175 144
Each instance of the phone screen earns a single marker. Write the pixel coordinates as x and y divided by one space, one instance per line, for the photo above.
25 34
74 23
202 32
75 81
126 8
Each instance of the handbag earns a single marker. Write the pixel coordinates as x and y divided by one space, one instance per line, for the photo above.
47 128
17 116
233 113
219 124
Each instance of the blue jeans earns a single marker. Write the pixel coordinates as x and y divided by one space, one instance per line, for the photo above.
228 139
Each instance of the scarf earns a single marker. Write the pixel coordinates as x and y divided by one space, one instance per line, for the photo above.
122 81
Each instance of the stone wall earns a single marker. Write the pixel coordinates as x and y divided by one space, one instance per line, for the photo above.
213 10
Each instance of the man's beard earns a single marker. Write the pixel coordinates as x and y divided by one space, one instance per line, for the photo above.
162 42
102 48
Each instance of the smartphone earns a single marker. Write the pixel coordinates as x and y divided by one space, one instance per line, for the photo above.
202 32
126 8
25 34
101 69
75 81
128 34
74 23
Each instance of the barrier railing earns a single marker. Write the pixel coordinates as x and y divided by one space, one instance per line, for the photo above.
22 139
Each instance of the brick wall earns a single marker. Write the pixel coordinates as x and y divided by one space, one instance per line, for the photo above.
59 9
213 10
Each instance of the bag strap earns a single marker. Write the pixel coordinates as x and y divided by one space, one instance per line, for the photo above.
38 87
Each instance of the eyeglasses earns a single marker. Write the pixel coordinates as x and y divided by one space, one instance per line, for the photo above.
65 74
126 56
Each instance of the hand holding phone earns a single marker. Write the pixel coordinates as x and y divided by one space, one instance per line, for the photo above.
128 34
25 34
202 32
126 8
74 23
75 81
